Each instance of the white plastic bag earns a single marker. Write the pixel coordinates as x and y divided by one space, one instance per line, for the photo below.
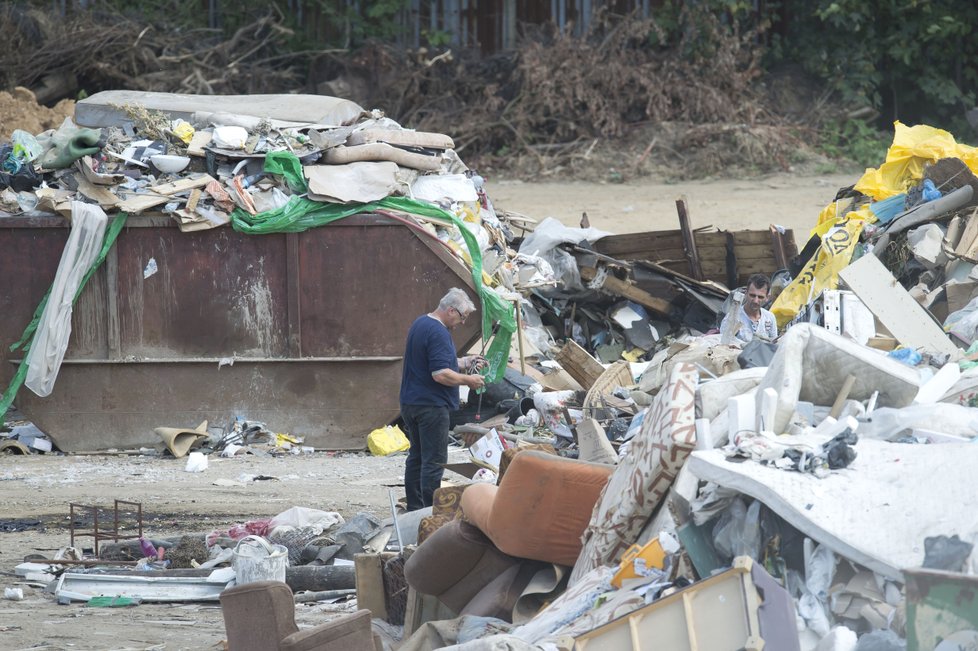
196 462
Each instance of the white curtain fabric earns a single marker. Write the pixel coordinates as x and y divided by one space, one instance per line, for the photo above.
51 340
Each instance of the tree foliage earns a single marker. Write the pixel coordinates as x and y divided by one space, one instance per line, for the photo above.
914 60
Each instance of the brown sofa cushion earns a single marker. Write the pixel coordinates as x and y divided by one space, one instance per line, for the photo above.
455 563
540 509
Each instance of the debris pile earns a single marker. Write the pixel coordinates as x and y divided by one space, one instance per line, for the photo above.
810 454
655 460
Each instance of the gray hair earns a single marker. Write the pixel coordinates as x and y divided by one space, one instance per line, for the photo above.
458 299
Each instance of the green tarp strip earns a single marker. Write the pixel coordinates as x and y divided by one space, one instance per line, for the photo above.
301 213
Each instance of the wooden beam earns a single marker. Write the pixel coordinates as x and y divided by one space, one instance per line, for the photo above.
778 247
689 242
619 287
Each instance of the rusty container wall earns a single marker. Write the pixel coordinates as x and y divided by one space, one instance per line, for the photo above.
313 322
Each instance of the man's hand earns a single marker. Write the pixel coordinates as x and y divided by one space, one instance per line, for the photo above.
475 381
473 363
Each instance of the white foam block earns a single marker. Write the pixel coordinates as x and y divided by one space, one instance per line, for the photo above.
740 414
769 407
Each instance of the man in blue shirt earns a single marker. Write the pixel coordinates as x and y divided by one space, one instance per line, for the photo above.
429 391
755 321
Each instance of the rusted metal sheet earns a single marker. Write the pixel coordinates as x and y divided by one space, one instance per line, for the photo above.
315 322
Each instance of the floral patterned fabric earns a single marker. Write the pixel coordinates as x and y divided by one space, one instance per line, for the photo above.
446 506
644 475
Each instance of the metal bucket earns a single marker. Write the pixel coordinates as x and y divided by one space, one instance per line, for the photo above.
256 559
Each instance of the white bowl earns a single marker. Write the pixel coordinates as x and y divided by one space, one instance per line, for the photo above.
170 164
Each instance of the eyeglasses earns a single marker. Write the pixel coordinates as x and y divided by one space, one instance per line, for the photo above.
461 316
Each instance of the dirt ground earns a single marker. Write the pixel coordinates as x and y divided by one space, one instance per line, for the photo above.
41 487
729 204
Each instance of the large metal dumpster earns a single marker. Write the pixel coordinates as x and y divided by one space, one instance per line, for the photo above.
303 331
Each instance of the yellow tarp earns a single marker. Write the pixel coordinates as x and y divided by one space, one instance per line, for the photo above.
912 148
821 272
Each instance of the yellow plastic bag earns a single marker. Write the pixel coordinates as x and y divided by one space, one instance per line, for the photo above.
912 148
821 272
387 440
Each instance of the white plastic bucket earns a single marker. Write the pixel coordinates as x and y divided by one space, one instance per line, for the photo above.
256 559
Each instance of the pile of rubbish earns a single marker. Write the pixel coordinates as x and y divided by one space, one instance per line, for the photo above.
634 465
816 463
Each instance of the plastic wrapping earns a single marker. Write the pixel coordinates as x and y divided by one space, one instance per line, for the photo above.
738 532
881 640
888 424
80 253
964 322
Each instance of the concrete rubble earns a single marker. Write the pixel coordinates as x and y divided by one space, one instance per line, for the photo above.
637 478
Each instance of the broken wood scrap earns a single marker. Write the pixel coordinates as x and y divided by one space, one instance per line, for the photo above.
689 241
579 364
623 288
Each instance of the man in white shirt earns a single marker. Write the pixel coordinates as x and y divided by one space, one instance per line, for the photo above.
755 321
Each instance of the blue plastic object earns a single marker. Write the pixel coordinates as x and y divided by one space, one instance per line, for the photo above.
908 356
887 209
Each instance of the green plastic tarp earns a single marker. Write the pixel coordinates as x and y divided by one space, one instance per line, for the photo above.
301 213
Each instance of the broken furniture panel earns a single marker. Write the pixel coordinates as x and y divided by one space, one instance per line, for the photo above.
726 612
579 364
895 308
83 587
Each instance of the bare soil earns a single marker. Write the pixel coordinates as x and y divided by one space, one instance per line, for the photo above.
20 110
175 502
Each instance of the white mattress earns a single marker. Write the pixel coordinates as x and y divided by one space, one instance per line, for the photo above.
877 511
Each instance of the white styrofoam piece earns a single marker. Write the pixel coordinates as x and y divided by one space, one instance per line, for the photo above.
769 407
857 321
825 425
935 388
740 412
834 430
704 438
877 511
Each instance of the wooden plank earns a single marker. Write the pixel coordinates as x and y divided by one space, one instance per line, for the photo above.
753 236
579 364
621 288
718 270
778 247
689 241
370 584
904 317
619 245
743 251
641 245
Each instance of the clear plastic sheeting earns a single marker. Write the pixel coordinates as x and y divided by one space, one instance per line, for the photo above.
81 250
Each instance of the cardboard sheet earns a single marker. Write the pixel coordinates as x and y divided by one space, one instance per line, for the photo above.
877 511
361 182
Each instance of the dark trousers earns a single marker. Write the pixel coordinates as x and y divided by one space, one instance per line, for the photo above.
427 430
